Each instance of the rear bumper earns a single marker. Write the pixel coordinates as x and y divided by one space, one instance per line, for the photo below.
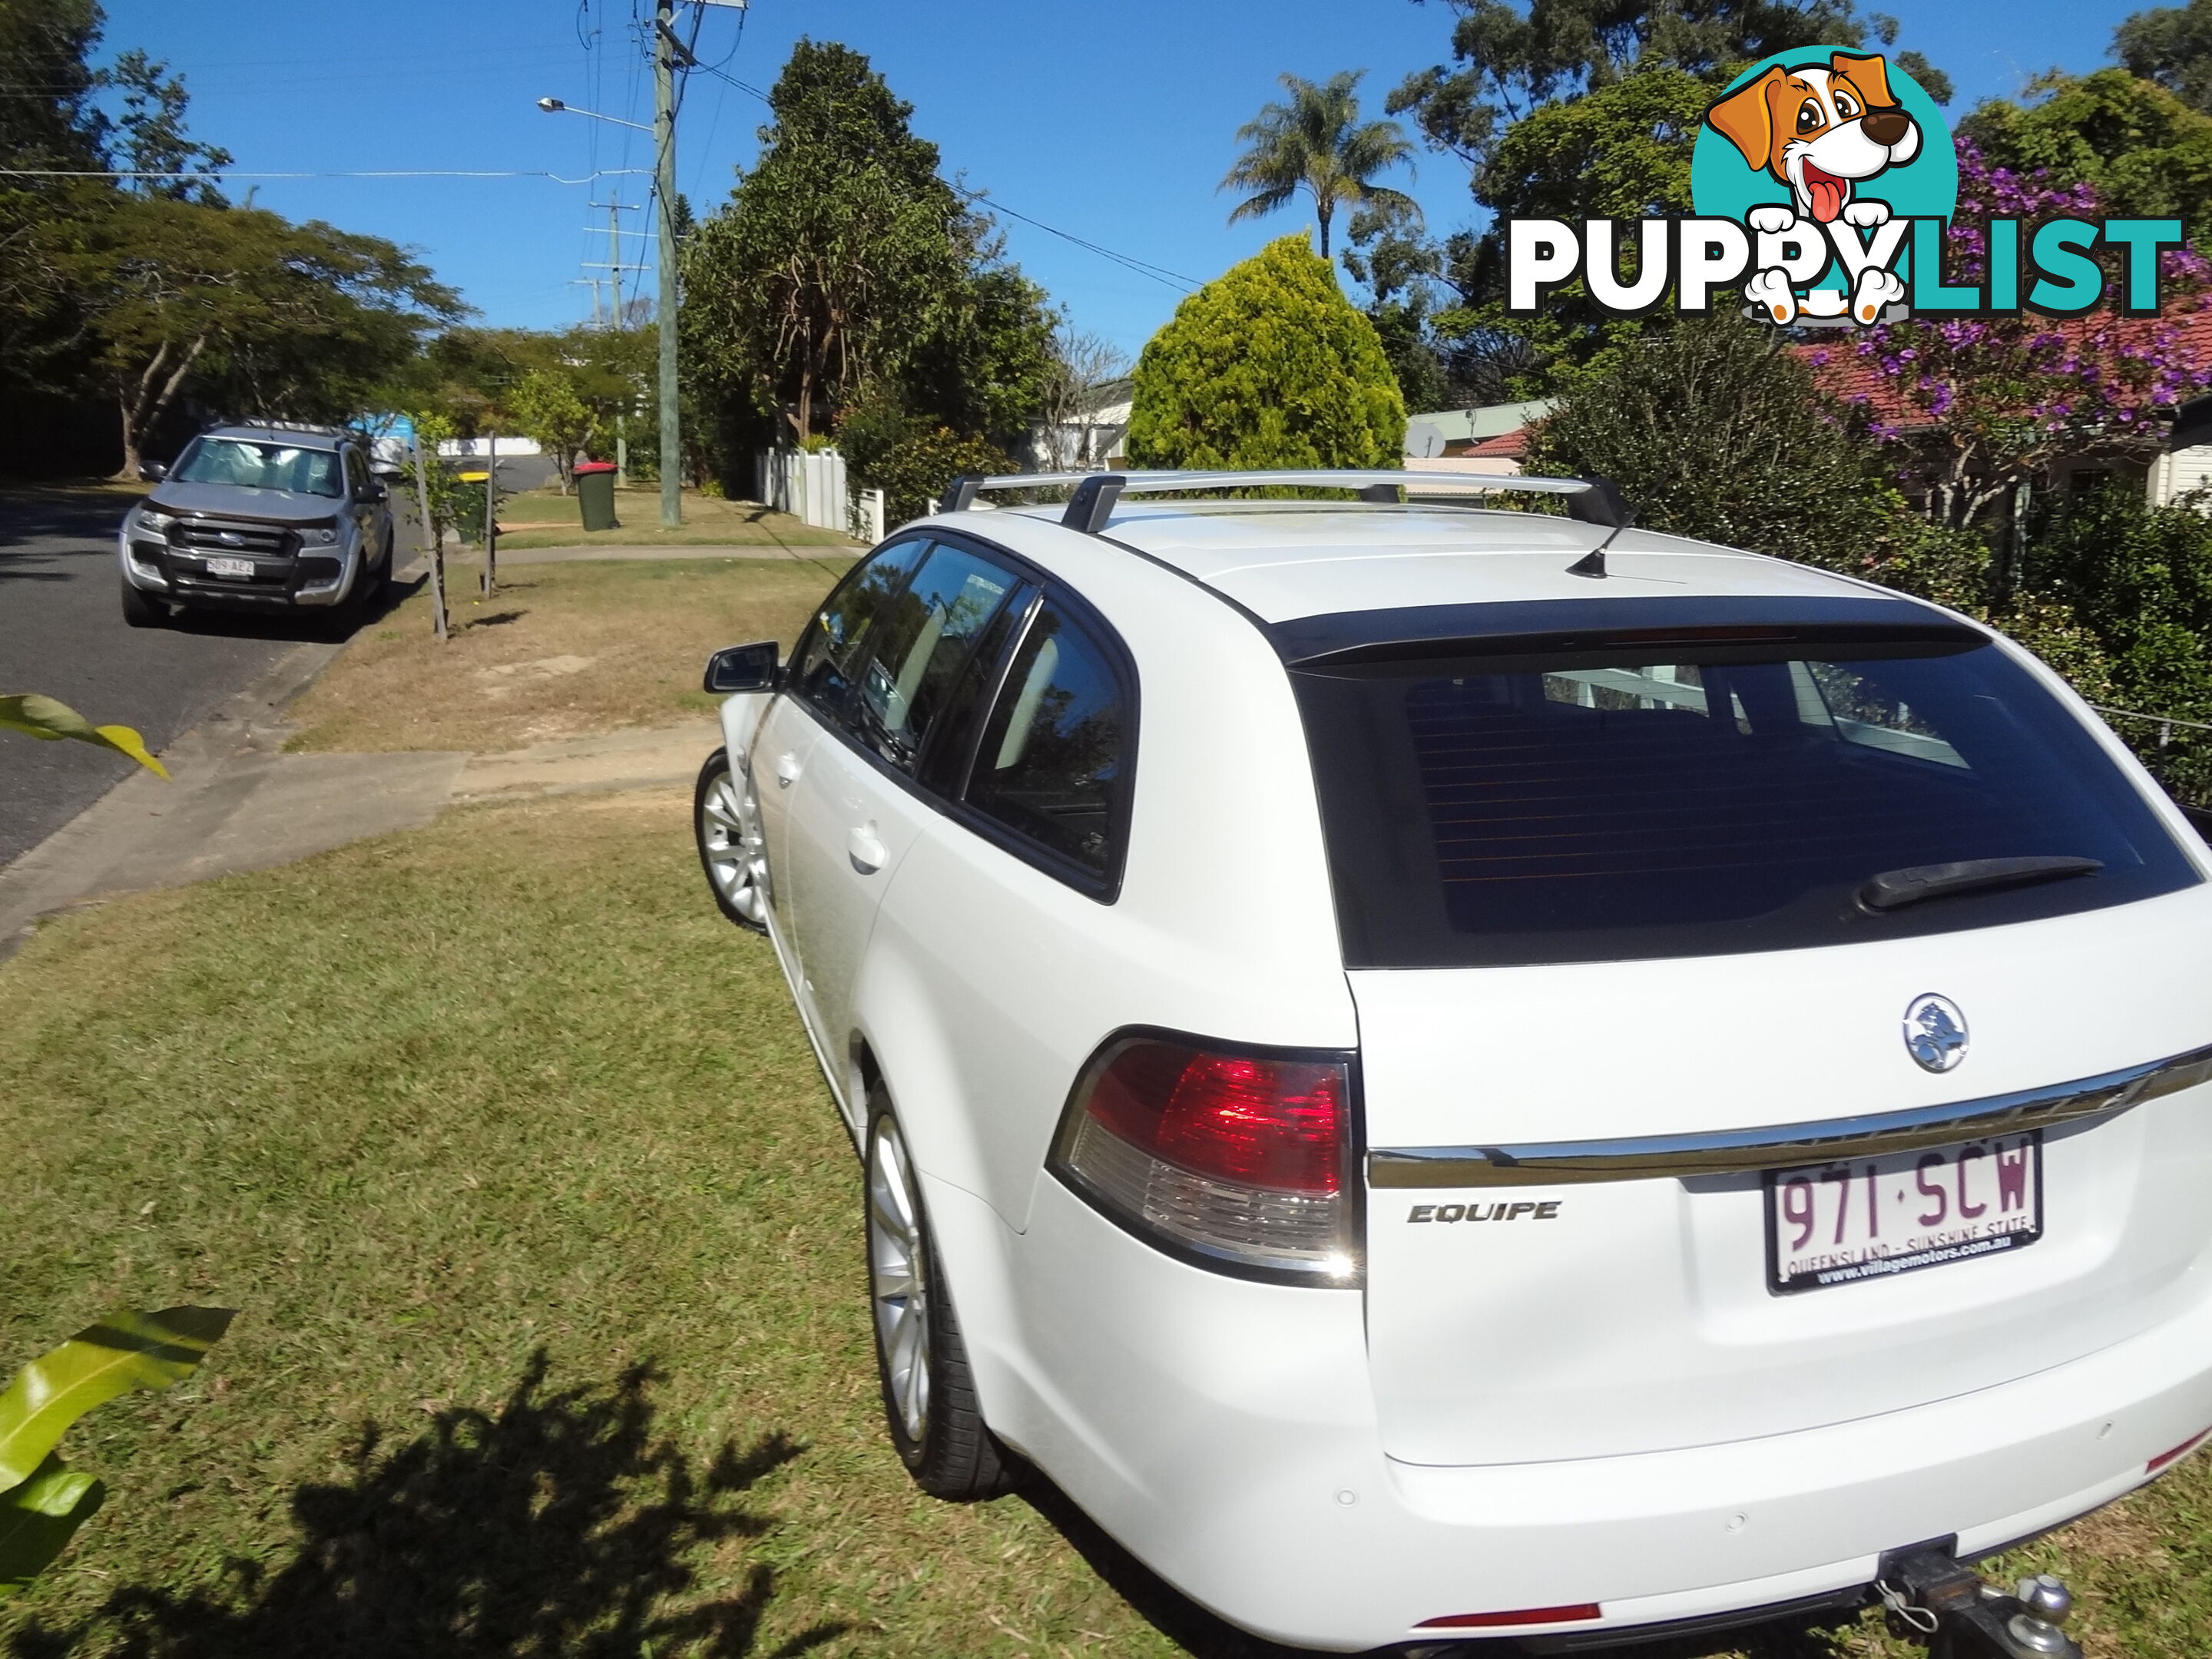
1225 1433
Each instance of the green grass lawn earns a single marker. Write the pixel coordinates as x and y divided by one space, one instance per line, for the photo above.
558 651
545 1240
552 1337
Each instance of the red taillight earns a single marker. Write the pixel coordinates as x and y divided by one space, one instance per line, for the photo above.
2175 1455
1237 1158
1519 1616
1274 1123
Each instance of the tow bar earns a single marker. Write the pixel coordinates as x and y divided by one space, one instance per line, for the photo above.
1961 1617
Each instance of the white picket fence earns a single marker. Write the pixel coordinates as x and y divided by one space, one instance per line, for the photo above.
813 488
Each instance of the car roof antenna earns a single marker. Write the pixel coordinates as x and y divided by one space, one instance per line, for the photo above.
1602 503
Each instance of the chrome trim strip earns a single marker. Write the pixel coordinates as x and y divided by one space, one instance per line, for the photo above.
1777 1147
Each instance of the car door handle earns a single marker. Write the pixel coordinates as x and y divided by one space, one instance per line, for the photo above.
865 849
786 769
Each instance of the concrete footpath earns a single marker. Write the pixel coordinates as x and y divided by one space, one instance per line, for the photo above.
236 801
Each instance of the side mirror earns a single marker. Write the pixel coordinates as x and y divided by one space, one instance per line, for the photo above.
752 667
377 492
152 471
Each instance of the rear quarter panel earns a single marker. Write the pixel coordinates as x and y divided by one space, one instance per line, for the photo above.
987 983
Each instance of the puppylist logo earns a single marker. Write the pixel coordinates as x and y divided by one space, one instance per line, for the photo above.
1824 180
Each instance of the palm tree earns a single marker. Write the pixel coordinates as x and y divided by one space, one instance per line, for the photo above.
1316 143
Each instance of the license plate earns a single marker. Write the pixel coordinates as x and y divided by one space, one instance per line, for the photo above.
1871 1218
239 568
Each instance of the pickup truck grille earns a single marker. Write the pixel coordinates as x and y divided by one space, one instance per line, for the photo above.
214 539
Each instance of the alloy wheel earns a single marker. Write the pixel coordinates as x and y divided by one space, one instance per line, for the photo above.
897 1279
730 844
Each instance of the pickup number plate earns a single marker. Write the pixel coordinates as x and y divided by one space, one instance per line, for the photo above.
1870 1217
237 569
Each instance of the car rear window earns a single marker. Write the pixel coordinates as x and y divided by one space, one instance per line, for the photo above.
1607 802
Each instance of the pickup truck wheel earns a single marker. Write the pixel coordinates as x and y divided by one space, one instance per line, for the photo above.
731 850
142 609
929 1394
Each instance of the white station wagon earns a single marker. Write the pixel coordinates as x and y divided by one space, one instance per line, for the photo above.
1454 1073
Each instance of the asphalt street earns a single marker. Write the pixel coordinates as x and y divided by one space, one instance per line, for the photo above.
62 633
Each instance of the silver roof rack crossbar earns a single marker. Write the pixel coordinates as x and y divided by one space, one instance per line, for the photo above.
1592 501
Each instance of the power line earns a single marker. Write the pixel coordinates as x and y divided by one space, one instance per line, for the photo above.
391 172
1159 274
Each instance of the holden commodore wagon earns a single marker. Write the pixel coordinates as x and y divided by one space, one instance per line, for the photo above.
1455 1074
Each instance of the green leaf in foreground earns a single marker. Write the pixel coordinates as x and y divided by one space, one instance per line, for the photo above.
39 1516
125 1351
50 721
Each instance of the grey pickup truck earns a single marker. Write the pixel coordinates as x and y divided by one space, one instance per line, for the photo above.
263 516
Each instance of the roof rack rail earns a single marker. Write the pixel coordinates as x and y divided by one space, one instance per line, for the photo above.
1592 501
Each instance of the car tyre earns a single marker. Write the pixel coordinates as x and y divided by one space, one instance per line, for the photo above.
929 1393
142 609
725 822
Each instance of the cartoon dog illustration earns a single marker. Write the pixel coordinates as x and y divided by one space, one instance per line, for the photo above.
1820 131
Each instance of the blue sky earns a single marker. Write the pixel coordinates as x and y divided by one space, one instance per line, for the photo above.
1112 123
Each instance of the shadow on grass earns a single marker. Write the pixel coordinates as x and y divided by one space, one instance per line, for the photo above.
1204 1636
557 1525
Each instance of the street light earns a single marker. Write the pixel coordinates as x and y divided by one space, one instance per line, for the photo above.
554 106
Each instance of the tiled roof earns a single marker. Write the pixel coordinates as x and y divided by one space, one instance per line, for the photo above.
1507 446
1856 378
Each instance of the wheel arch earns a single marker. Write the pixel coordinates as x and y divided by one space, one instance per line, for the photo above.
973 1241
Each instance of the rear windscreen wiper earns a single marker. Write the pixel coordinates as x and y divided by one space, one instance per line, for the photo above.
1893 888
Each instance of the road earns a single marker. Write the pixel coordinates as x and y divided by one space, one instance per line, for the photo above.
62 633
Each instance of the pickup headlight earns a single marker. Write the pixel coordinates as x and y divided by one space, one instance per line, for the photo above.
153 519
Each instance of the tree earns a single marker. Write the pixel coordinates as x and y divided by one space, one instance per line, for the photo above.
847 288
274 319
1267 366
546 407
1585 108
1712 432
151 134
2145 150
1508 62
838 238
1978 406
1085 370
1317 143
2171 45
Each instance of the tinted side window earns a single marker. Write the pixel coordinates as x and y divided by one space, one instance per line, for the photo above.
922 640
1054 760
835 642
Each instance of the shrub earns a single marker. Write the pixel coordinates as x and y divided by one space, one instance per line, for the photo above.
1268 366
1711 431
910 459
2138 580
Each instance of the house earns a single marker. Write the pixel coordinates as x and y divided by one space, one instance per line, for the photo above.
2168 461
1092 441
1489 439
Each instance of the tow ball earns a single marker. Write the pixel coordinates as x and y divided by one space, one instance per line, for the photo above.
1961 1616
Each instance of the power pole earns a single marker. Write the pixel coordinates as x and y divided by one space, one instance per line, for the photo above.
491 512
433 543
663 121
